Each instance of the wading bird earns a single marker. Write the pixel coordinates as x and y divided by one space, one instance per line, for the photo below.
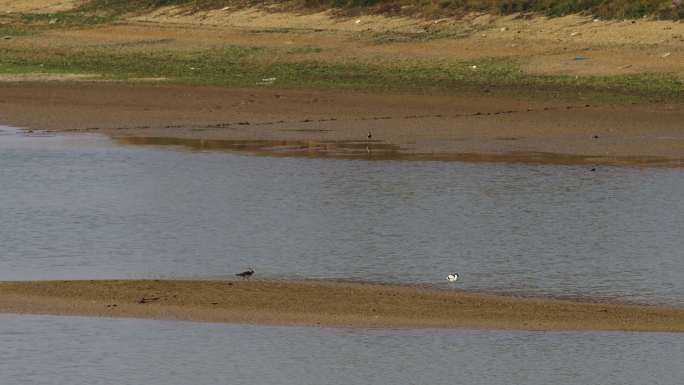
453 277
246 274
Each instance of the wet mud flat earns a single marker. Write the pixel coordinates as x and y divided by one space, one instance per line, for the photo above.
349 124
372 150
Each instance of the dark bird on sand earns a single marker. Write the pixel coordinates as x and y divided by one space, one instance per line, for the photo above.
246 274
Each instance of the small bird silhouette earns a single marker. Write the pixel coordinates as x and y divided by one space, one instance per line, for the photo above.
246 274
370 135
453 277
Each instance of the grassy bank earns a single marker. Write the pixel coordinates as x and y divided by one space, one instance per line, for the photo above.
254 61
423 8
12 24
240 66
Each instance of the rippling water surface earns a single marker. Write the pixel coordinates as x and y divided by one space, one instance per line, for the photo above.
83 207
82 351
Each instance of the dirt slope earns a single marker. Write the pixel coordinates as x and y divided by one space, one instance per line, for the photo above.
37 6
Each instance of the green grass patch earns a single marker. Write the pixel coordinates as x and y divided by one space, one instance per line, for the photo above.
303 50
66 19
388 37
137 43
272 30
35 23
236 66
10 30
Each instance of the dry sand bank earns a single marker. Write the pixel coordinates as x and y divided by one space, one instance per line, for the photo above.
325 303
336 124
37 6
550 44
546 45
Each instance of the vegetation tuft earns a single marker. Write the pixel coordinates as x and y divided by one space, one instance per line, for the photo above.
65 19
33 23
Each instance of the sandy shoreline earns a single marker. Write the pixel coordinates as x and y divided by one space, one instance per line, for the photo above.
336 124
326 303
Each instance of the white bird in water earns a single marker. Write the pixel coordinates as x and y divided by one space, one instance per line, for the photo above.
453 277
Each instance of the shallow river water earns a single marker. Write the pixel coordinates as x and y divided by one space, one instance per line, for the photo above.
84 207
81 351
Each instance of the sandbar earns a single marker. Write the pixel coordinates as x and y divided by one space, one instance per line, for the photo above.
327 303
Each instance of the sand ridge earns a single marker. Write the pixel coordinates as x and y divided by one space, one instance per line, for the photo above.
326 303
